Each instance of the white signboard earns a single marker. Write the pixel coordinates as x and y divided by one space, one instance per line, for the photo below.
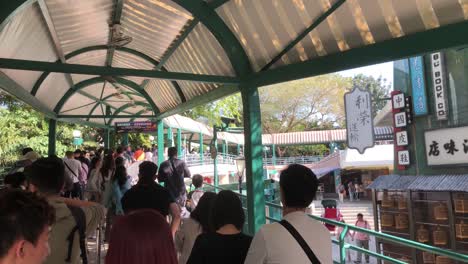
360 128
403 158
400 119
398 101
447 146
402 138
438 81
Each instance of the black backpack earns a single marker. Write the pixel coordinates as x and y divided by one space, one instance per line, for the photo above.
80 219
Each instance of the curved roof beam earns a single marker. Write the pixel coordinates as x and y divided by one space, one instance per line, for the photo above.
86 83
103 100
134 52
125 107
206 14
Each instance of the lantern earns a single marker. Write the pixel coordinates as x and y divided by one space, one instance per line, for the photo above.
387 201
440 237
441 212
387 220
401 222
461 230
461 205
443 260
428 257
423 235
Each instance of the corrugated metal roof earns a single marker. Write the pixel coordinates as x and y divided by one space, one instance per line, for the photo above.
455 183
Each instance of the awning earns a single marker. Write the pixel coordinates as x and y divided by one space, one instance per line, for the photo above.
443 183
378 156
326 165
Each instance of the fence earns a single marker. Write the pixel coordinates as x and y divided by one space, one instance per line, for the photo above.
343 246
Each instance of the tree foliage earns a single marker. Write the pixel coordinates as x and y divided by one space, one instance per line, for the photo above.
230 106
379 89
21 126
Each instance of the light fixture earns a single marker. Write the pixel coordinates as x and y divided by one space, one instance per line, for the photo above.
240 164
151 138
76 133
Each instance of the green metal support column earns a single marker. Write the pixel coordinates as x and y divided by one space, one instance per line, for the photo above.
52 134
273 152
179 143
125 139
170 137
238 149
215 160
201 147
253 158
224 148
160 142
106 138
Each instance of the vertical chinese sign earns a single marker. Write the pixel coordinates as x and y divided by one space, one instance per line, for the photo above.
359 122
401 108
418 86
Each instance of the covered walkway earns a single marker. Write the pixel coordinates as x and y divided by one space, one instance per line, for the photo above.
98 61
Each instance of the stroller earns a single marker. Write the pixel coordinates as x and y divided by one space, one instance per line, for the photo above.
331 212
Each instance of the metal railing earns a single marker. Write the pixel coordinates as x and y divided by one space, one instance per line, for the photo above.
196 160
292 160
343 246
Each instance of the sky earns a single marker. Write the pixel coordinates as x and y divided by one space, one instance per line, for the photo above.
384 69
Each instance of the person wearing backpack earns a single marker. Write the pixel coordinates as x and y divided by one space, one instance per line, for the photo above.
172 172
74 219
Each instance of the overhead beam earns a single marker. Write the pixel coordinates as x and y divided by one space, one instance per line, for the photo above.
107 116
303 34
117 14
13 88
122 108
445 37
225 37
111 71
217 3
88 82
213 95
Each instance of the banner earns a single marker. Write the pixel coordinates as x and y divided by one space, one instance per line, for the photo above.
418 85
359 120
138 126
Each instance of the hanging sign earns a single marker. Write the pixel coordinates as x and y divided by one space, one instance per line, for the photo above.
138 126
359 122
402 117
418 86
447 146
438 81
401 138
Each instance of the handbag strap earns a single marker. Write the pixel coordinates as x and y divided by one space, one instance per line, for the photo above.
74 174
300 240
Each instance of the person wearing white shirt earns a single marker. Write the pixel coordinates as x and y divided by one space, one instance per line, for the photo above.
72 171
274 243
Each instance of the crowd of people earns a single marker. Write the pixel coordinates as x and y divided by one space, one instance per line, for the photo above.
52 206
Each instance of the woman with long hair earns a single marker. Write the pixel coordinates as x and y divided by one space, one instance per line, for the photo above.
118 185
107 170
141 237
93 189
198 223
226 244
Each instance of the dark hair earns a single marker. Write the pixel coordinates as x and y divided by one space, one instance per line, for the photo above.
360 215
148 170
68 153
202 212
197 180
119 161
93 164
142 236
108 163
227 209
120 149
26 150
171 152
24 215
299 185
47 174
15 179
120 175
77 152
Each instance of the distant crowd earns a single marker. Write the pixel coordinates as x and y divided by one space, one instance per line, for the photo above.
52 206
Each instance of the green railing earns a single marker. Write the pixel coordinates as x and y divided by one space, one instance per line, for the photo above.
343 246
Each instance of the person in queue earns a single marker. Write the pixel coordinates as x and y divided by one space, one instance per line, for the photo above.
194 196
25 223
147 194
198 223
46 177
279 242
172 172
142 236
16 180
227 244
